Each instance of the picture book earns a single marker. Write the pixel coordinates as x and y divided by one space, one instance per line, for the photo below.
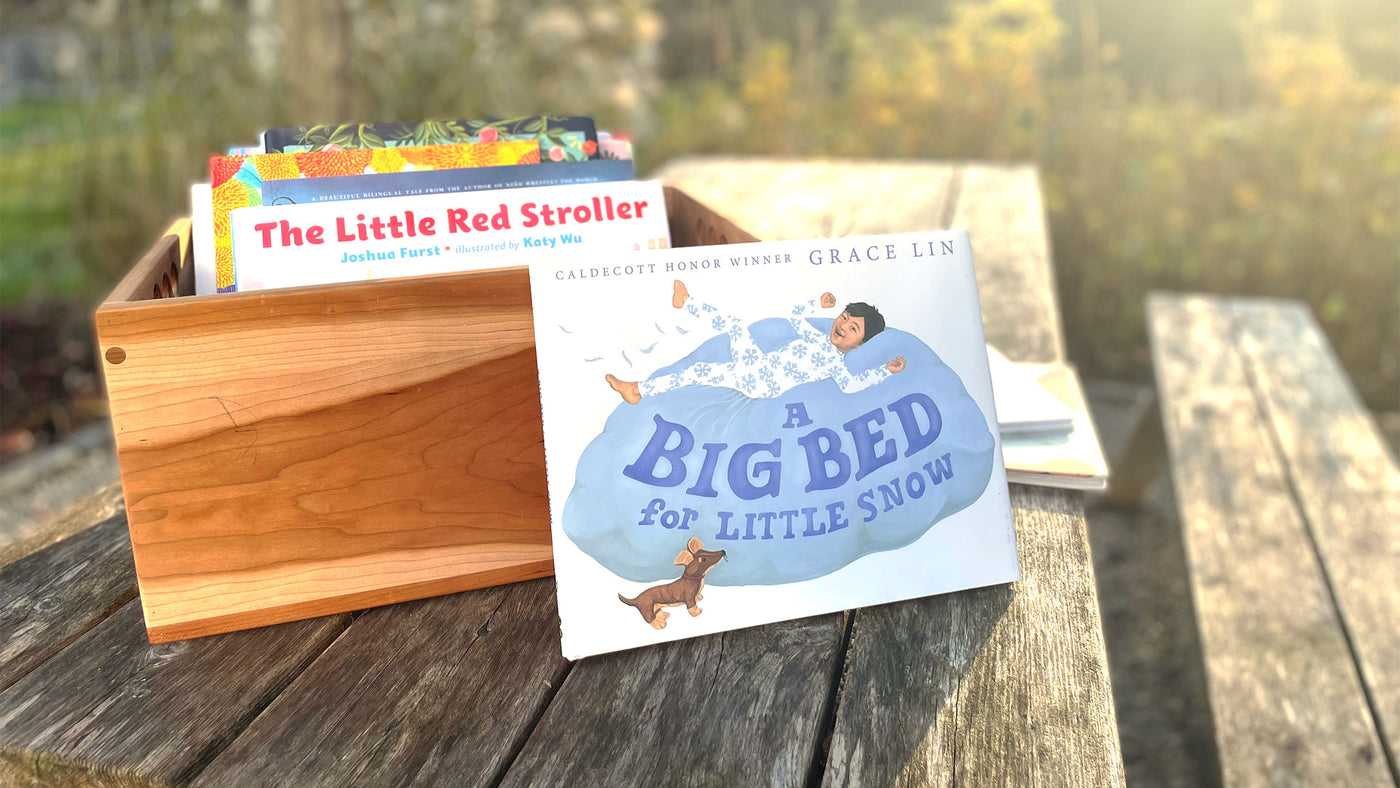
236 181
1023 405
320 243
560 138
1072 458
202 238
748 433
613 147
521 176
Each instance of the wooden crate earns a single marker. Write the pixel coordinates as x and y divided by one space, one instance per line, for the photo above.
294 453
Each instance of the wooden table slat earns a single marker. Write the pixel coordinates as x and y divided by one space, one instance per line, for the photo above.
1285 696
439 691
737 708
111 709
1346 482
50 598
1004 684
1002 210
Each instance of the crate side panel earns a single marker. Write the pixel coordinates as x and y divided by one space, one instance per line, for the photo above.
178 369
431 481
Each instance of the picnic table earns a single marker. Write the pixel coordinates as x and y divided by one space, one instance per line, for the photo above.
1290 512
1000 685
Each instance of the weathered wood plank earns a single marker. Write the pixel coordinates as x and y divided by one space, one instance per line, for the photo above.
79 517
1286 699
1346 482
299 452
1006 685
738 708
1002 211
55 595
441 691
111 709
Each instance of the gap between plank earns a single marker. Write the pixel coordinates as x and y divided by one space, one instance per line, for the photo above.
833 702
1260 402
66 642
216 747
518 746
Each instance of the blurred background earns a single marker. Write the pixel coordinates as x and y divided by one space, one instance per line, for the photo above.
1232 146
1242 146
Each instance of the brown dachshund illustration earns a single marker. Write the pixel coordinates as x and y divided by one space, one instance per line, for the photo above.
684 591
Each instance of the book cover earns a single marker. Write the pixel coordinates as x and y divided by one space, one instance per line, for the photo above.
560 138
325 242
202 238
1023 405
742 434
236 181
399 184
1070 459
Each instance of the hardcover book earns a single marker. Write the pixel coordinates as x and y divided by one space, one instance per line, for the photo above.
1070 458
236 181
401 184
326 242
1023 405
748 433
560 138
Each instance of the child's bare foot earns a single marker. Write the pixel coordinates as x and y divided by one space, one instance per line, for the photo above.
628 389
679 295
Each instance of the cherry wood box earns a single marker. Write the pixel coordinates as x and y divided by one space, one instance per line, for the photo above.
294 453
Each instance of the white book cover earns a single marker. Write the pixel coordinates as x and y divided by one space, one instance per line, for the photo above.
344 241
1023 405
749 433
1071 458
202 239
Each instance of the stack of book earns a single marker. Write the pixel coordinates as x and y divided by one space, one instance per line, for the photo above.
323 204
1047 435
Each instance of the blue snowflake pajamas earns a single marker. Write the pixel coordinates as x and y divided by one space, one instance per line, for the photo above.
760 375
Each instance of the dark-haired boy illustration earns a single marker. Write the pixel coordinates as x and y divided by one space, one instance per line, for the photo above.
759 375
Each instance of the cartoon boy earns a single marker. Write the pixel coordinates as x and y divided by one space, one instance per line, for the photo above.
759 375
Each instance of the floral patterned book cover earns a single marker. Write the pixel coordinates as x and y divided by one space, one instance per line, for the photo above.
236 181
560 138
742 434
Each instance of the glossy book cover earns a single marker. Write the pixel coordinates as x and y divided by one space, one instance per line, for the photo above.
354 240
236 181
750 433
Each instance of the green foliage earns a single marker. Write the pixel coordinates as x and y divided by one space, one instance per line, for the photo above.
1282 180
1294 195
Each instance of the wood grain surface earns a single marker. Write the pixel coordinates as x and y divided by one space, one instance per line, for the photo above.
1288 705
738 708
111 709
52 597
1346 483
1000 685
302 452
440 691
167 269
